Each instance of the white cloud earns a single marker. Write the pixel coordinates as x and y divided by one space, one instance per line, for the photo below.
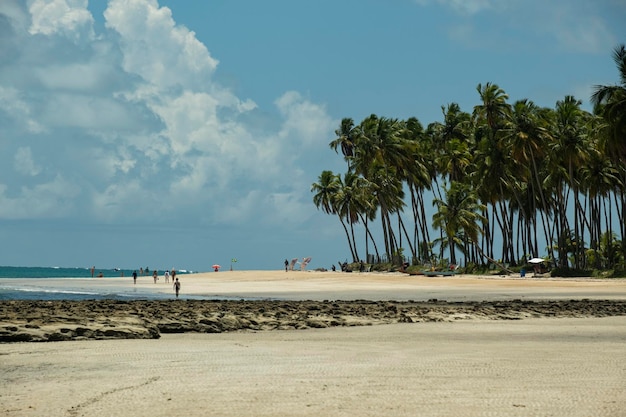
131 126
155 48
65 17
87 112
24 163
304 119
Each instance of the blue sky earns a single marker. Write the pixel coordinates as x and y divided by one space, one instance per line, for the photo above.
178 134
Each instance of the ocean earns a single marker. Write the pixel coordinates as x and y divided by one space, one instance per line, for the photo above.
27 283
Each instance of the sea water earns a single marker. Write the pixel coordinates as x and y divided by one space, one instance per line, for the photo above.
15 285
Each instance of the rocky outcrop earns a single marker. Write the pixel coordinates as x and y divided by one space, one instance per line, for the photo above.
37 321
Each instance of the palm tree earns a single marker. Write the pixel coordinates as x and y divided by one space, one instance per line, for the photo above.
326 189
389 194
380 156
613 99
418 177
451 141
346 136
353 203
493 177
571 148
598 177
526 136
494 108
610 102
459 217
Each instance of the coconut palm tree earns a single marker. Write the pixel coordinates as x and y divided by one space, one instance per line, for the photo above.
418 177
598 176
346 136
380 155
610 101
526 136
493 109
353 203
459 217
494 178
613 100
570 150
326 189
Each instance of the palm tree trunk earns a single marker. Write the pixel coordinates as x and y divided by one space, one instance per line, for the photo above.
345 228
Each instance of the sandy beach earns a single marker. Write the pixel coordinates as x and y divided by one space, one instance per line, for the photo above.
322 343
313 285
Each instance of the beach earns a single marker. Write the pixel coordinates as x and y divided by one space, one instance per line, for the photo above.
275 343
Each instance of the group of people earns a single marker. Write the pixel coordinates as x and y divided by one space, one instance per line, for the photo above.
294 261
166 275
93 271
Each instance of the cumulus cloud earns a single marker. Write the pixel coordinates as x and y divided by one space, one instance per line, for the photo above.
155 48
303 118
64 17
129 125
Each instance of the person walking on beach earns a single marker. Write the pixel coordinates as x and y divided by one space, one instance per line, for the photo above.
135 277
167 276
177 287
286 265
155 275
93 269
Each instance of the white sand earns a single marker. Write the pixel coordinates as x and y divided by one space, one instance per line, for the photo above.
538 367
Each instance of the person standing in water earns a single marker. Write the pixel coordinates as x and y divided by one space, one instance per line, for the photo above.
135 277
177 287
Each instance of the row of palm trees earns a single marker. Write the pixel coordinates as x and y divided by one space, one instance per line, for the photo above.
513 173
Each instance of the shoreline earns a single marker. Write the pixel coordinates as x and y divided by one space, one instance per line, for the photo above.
314 285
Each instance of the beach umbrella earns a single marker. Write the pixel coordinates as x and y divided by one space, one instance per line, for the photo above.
216 267
536 260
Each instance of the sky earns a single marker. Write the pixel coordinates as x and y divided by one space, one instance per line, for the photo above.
179 134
